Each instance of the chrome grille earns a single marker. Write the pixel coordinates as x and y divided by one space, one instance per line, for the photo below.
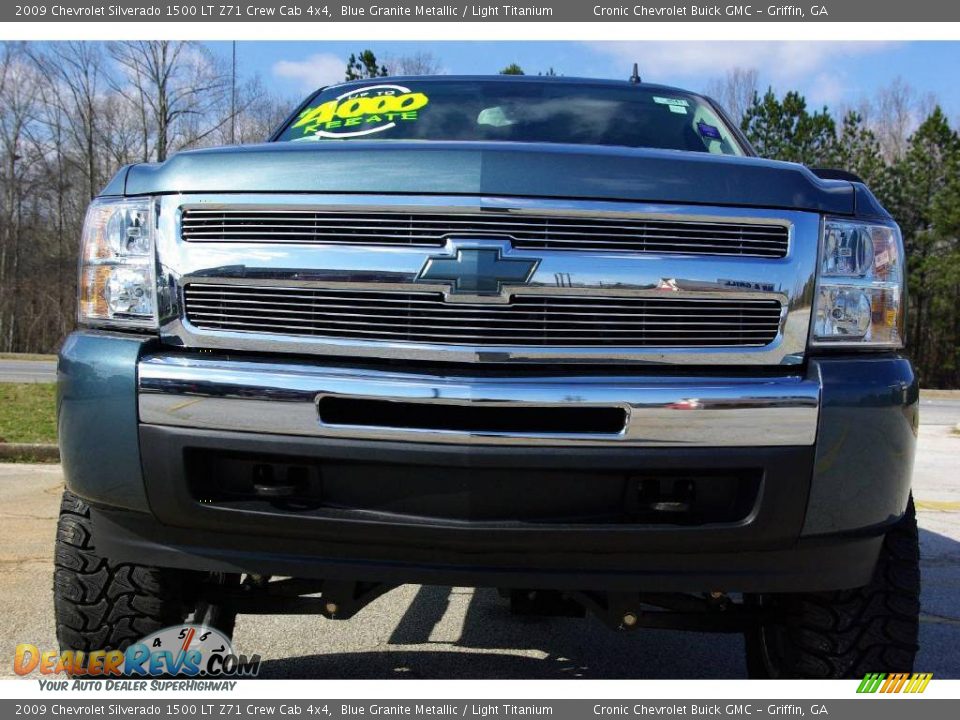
542 320
536 232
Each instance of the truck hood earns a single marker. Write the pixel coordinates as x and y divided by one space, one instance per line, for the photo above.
512 169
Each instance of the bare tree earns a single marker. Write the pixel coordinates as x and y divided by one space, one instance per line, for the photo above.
75 80
19 107
257 112
417 63
121 132
893 117
735 91
177 84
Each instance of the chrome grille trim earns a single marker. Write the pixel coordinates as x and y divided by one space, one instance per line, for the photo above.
578 273
527 231
425 317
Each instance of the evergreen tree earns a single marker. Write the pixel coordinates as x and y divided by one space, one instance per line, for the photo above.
785 130
924 204
858 151
946 288
512 69
363 66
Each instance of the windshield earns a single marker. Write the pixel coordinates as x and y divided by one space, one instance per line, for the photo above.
516 111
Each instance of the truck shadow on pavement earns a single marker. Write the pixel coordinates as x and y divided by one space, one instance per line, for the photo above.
457 633
493 643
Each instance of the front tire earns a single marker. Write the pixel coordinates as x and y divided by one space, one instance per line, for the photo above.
847 633
101 605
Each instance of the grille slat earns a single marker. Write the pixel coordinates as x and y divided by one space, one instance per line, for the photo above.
533 232
244 228
356 297
244 235
465 337
527 320
458 322
490 219
458 315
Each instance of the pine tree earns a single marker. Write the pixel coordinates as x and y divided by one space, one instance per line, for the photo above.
925 180
785 130
946 290
364 65
858 151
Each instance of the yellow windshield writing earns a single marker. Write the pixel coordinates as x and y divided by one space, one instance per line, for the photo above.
372 113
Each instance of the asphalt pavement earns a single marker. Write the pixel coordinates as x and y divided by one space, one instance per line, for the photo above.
28 371
443 632
939 409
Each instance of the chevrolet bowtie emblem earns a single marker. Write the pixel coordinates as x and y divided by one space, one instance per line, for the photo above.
477 267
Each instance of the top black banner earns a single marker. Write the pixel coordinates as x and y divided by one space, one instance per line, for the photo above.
549 11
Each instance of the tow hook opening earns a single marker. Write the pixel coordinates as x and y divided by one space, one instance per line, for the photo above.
305 486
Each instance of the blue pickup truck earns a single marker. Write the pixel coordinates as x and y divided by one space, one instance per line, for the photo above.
566 338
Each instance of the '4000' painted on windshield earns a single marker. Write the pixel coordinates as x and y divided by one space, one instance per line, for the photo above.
362 112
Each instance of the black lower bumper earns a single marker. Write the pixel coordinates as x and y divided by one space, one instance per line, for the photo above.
481 532
776 518
808 565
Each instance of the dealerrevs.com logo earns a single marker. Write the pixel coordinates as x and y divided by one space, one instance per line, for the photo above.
189 651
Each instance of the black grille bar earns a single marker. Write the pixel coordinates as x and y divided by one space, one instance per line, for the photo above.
532 232
542 320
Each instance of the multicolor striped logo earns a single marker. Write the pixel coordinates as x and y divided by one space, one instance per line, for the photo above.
895 683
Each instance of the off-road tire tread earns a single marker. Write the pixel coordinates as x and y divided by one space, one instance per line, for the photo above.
849 633
101 605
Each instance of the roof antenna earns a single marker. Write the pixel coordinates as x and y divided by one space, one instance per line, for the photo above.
635 78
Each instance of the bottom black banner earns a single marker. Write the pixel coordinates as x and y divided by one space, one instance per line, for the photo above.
873 707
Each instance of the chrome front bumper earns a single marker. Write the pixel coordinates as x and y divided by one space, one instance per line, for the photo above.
283 399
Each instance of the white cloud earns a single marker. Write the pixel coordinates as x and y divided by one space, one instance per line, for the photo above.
828 88
312 72
780 63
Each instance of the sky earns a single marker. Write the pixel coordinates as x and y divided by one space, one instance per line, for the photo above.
837 74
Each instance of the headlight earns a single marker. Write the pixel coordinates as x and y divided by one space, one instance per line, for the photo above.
117 267
860 286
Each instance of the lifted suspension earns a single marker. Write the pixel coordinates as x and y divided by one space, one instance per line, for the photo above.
341 600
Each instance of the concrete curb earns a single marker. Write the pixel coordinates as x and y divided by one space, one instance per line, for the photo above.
39 452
